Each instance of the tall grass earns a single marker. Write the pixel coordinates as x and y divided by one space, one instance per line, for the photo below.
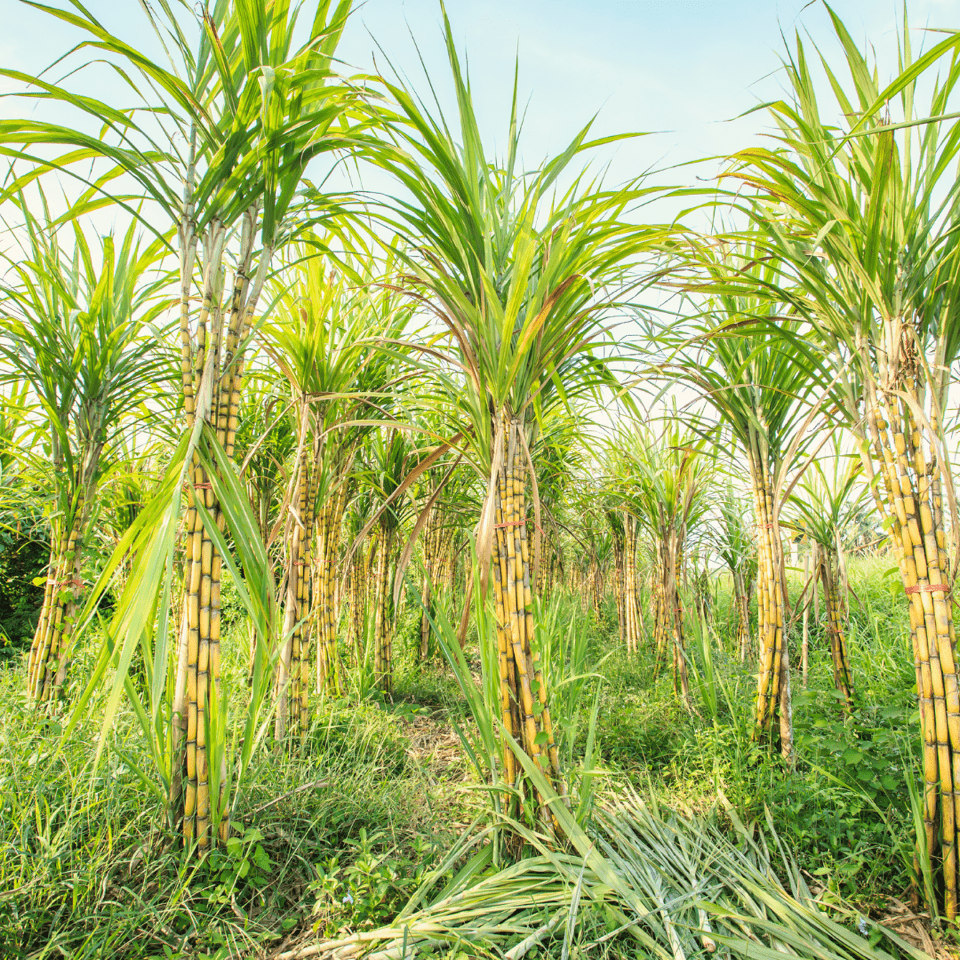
88 871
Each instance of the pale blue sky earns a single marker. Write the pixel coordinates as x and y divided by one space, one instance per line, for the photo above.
683 67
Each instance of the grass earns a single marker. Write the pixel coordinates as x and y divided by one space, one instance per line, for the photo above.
845 811
334 839
88 869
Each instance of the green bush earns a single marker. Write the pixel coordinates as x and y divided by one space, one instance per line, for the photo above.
23 563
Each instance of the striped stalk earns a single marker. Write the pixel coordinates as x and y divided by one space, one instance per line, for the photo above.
52 647
661 626
436 549
523 697
293 668
384 613
356 601
596 586
581 584
805 641
703 598
774 707
212 374
201 669
910 498
53 637
630 585
426 594
359 592
456 566
673 605
828 572
617 537
329 668
548 567
742 603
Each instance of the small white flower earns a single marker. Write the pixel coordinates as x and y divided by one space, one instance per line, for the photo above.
862 926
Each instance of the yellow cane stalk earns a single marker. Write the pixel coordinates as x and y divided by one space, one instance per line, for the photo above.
742 603
773 691
631 609
384 620
292 680
911 501
674 609
524 707
436 549
52 640
621 591
660 628
358 593
329 669
842 674
595 587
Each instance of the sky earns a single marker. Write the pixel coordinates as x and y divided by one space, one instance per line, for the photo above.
682 69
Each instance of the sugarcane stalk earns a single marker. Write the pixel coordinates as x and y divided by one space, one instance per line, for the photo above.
433 569
329 669
619 575
49 650
742 603
383 624
292 679
523 694
631 613
504 651
842 673
908 464
674 606
773 675
211 393
805 642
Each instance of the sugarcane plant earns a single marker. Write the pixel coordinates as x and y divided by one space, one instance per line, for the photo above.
19 439
265 444
436 542
863 210
749 361
127 484
80 327
390 455
601 549
624 525
559 457
663 477
22 487
516 270
825 508
215 150
589 531
613 513
735 543
447 504
359 570
323 335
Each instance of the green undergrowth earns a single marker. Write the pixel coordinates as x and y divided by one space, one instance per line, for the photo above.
844 812
335 836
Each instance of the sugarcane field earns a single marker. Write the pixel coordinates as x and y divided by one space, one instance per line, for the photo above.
476 480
